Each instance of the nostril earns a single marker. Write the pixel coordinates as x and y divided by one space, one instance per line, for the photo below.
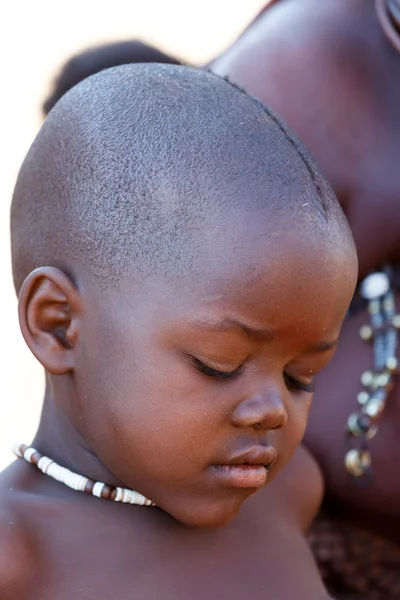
280 422
261 413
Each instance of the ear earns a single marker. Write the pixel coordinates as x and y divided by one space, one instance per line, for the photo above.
49 311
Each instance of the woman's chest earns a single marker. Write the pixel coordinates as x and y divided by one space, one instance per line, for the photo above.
337 389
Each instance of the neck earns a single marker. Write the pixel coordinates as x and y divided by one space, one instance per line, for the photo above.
59 439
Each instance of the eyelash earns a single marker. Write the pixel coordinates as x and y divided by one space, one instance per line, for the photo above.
295 385
220 376
224 376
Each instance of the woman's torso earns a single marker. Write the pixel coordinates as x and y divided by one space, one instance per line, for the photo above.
330 72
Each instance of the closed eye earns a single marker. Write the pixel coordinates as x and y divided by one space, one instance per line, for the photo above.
295 385
214 373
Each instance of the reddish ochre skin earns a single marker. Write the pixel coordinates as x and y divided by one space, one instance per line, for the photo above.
160 426
328 69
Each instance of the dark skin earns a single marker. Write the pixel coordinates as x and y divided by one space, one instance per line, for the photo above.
345 105
127 402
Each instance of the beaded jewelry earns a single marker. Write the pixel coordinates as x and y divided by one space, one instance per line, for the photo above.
382 332
388 13
78 482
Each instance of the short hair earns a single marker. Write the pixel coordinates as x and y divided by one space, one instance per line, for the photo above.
133 165
98 58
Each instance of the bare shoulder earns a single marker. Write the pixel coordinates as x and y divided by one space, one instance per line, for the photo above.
14 559
297 492
16 547
271 58
290 30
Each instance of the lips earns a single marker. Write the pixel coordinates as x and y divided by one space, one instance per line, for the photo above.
260 456
247 470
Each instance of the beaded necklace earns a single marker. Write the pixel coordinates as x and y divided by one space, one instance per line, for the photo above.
388 13
78 482
377 290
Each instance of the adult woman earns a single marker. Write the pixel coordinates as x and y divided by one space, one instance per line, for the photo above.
332 71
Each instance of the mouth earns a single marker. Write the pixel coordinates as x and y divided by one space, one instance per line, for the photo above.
249 470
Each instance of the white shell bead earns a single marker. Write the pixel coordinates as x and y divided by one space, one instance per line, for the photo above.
28 454
120 494
97 489
44 464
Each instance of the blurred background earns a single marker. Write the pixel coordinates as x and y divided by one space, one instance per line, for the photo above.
36 38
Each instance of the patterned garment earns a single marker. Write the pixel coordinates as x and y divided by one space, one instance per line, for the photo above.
355 564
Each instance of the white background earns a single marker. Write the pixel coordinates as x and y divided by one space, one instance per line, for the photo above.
36 36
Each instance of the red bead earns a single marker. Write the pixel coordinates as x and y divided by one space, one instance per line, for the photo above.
106 492
36 456
89 486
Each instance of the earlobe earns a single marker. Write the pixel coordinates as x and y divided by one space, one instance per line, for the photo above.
49 314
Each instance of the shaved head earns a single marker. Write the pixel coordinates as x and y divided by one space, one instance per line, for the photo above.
135 166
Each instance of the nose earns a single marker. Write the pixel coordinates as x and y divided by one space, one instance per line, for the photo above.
263 411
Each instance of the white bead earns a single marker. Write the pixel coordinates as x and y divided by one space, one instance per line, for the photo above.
82 483
120 494
71 479
75 482
375 286
134 499
44 464
53 470
62 475
98 488
127 496
28 454
68 478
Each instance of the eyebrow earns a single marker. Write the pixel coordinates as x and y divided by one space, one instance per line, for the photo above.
263 335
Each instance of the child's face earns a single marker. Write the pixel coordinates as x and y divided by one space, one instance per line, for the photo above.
175 381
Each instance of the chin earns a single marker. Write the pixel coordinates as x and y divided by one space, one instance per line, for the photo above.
209 515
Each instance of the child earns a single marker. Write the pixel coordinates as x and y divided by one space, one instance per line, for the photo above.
183 272
331 69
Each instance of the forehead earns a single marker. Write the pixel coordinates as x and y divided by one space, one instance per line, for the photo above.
255 246
292 277
275 280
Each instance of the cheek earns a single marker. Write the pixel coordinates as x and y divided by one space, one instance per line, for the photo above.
151 414
290 437
298 419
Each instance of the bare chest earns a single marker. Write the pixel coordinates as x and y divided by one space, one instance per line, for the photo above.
129 562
